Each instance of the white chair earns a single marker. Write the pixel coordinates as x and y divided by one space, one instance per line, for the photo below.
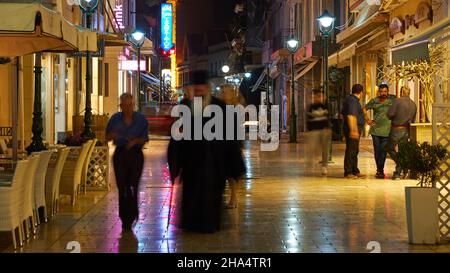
39 185
10 203
71 174
5 150
84 172
27 206
52 179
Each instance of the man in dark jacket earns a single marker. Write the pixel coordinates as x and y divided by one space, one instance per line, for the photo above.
353 126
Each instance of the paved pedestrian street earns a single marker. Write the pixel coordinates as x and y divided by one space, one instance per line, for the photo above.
282 208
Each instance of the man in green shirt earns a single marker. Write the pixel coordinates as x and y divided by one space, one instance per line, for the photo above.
380 126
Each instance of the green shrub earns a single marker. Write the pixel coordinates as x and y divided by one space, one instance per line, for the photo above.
422 161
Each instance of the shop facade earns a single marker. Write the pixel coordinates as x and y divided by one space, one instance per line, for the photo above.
419 57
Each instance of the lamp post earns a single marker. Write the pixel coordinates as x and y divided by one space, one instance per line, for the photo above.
292 45
37 128
326 26
88 7
137 38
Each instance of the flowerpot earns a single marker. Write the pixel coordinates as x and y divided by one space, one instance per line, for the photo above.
422 215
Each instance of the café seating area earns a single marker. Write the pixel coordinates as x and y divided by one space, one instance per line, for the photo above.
31 187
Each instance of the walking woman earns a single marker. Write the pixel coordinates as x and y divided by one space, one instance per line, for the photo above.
231 96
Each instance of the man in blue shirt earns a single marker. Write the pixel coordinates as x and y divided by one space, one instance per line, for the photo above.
129 132
353 126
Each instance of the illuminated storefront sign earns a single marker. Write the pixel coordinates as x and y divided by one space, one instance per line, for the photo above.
129 65
166 26
118 14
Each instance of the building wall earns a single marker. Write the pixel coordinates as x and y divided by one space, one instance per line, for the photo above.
5 95
111 102
305 13
440 11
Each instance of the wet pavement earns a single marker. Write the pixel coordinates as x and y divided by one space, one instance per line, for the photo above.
282 208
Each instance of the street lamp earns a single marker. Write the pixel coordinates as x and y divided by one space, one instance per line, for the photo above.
88 7
225 69
292 45
137 38
326 26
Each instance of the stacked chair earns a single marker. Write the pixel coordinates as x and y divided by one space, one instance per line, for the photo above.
72 172
39 188
52 179
27 212
84 172
11 200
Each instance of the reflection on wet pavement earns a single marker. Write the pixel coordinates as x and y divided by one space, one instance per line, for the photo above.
282 208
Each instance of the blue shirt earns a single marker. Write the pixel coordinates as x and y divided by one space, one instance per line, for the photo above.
137 128
352 107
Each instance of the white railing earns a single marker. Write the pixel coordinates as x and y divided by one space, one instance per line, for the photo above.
441 135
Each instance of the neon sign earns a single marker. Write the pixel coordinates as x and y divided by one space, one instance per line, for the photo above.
118 14
132 65
166 27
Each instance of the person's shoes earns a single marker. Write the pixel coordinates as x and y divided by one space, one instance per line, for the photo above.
379 175
351 176
396 176
360 175
324 171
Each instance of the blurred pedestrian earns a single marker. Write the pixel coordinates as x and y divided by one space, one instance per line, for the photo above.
231 96
129 132
402 113
203 165
380 125
319 135
353 116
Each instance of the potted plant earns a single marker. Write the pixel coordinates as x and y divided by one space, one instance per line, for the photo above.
76 139
422 162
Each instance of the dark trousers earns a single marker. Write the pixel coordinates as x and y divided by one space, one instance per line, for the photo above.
396 136
128 166
379 149
351 156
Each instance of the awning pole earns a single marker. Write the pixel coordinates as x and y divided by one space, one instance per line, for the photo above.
15 108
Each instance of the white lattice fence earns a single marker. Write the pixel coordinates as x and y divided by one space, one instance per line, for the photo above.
441 135
98 170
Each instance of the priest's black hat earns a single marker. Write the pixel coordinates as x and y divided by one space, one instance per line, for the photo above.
198 77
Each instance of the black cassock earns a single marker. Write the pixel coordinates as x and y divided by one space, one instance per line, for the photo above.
204 167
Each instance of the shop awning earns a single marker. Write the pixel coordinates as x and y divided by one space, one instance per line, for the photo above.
149 78
412 52
27 28
113 39
305 69
342 55
366 23
147 47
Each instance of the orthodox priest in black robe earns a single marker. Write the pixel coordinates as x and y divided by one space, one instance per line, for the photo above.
203 165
